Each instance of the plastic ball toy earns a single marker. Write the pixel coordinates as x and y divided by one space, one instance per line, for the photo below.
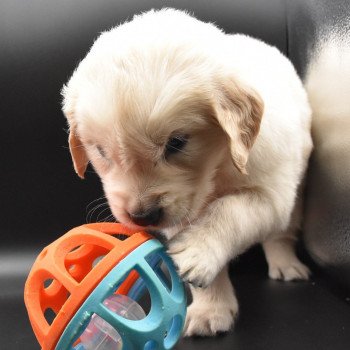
85 292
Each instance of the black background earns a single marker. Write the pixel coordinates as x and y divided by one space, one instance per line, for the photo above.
41 42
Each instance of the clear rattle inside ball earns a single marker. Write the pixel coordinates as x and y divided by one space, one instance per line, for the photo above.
100 335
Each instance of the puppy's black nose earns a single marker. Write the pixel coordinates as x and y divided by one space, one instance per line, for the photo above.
148 217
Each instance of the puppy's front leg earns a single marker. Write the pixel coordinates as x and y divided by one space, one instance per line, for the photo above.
232 224
213 309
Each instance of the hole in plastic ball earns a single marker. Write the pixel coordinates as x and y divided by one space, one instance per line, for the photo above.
161 269
138 290
173 331
97 260
76 271
49 315
99 334
145 300
120 236
47 283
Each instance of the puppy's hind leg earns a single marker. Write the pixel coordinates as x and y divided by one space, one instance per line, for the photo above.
282 260
213 309
280 252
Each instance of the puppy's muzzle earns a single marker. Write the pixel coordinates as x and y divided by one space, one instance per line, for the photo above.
150 217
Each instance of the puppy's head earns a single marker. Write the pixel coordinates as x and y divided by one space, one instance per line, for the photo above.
156 129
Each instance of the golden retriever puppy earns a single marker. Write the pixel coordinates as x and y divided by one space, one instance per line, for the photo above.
201 135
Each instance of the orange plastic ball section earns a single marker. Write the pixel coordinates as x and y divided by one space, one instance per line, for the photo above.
67 271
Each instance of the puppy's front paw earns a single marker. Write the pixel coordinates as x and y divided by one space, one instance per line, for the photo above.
209 320
196 260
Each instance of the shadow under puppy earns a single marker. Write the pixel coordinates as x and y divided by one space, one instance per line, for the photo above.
201 135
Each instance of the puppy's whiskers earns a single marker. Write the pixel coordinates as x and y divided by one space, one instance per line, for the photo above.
109 218
103 211
97 206
93 210
95 200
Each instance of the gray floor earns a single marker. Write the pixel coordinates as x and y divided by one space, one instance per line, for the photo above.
273 315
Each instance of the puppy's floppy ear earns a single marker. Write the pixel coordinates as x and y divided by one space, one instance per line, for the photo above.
239 111
78 153
77 150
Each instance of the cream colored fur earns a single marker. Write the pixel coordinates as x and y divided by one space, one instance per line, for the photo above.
235 183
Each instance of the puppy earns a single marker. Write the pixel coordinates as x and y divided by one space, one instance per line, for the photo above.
201 135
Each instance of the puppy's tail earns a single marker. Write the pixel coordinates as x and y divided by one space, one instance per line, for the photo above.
327 83
328 86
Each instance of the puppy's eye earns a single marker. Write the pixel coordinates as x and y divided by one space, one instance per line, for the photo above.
175 144
101 151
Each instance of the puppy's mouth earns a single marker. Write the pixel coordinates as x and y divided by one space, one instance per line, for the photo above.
166 222
171 219
163 223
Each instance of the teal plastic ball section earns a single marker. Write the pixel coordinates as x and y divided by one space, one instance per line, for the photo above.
160 329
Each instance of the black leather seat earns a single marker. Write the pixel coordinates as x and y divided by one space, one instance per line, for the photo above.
41 42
